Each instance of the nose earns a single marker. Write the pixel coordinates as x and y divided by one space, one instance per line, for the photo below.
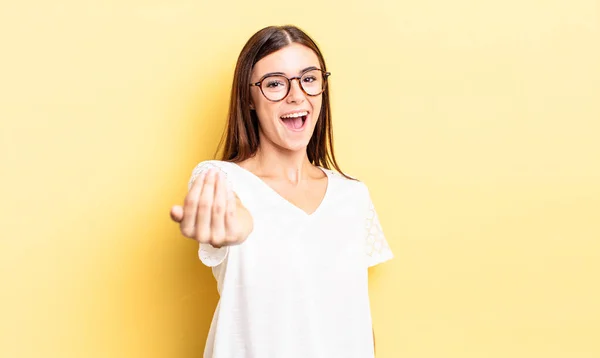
296 94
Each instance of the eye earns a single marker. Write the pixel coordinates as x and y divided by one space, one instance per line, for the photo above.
274 84
309 79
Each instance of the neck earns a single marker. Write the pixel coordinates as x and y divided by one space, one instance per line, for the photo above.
282 165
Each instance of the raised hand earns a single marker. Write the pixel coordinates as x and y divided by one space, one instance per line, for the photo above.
212 213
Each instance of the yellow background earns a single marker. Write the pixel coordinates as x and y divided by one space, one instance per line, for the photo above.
474 123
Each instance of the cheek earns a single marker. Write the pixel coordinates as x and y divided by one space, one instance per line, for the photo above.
266 112
316 104
261 106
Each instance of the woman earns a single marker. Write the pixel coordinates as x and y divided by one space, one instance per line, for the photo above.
289 240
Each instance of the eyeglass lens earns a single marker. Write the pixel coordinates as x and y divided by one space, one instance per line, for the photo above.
277 87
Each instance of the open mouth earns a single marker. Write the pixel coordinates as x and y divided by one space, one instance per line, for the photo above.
295 121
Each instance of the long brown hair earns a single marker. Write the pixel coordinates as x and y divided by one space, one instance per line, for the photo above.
241 137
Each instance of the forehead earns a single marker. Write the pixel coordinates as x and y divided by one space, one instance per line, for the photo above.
290 60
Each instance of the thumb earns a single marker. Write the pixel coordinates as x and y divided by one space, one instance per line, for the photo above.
177 213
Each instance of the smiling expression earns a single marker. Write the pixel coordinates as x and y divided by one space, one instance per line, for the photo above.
289 123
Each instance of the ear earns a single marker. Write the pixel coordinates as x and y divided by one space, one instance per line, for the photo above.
252 106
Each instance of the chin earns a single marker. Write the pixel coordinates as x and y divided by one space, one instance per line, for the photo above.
295 146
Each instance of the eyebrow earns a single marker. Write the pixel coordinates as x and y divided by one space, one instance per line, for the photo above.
283 74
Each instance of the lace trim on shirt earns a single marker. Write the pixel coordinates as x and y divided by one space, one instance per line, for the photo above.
377 248
204 167
212 256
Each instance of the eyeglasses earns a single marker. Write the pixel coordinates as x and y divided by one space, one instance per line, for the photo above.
276 87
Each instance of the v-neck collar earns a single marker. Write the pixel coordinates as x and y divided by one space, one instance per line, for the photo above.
284 200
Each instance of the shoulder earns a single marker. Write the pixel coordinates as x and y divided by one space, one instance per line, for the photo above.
204 166
209 164
350 184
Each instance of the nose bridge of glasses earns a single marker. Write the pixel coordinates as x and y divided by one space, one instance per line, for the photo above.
291 82
299 78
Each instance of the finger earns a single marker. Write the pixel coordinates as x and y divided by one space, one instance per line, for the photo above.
230 218
188 224
217 222
205 202
177 213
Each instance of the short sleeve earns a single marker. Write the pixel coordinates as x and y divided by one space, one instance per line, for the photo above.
376 246
208 254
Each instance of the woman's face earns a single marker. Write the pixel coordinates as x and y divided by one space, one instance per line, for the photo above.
289 123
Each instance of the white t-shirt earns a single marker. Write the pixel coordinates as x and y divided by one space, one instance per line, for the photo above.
298 286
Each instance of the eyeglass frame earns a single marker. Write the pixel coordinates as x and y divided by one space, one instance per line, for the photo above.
259 83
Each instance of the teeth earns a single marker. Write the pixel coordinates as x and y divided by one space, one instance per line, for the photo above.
295 115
